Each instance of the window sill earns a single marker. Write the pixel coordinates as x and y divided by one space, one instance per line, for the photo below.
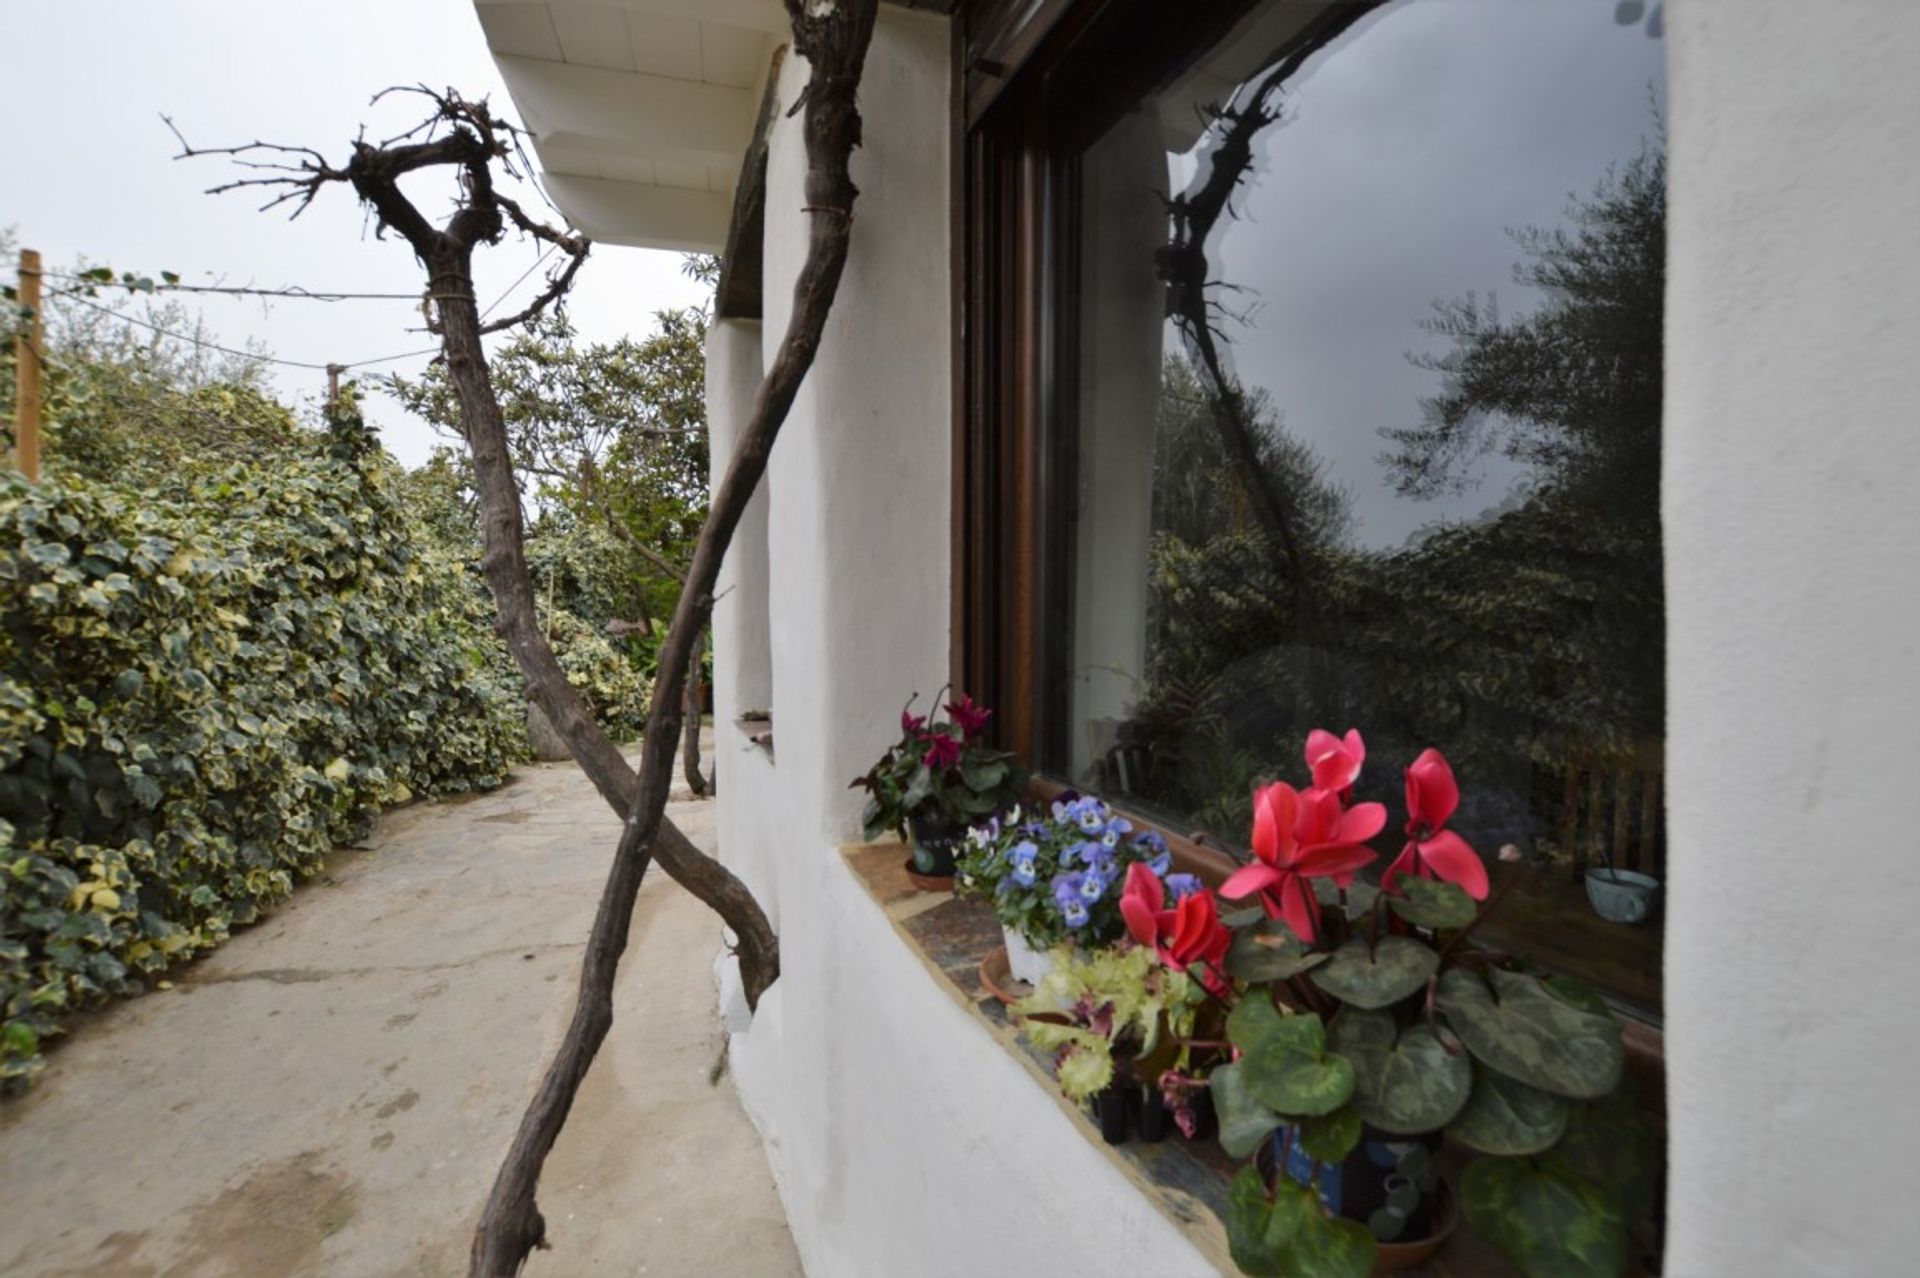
1186 1183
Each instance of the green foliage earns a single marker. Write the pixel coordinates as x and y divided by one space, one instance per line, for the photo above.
1406 1081
1376 974
202 689
1552 1223
913 781
1287 1235
1515 1025
615 689
1112 1001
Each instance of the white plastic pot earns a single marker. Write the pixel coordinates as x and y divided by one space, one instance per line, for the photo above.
1023 961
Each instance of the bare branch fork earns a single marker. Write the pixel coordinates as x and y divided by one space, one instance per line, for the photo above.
468 138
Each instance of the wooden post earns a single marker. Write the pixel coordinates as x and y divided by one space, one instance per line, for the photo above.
333 385
26 370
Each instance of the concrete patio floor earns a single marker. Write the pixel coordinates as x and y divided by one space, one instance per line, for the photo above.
331 1092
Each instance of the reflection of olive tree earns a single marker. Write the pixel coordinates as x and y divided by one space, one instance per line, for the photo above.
1227 159
1572 389
1523 638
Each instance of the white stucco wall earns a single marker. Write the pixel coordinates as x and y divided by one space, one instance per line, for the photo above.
903 1138
1792 503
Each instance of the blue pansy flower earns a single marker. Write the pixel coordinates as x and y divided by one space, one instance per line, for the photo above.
1023 851
1180 885
1093 885
1066 889
1074 913
1024 873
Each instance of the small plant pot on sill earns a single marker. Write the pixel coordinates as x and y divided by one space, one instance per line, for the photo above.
1622 896
1023 961
931 865
1376 1187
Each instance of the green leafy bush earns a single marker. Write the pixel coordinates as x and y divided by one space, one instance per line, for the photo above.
615 689
202 689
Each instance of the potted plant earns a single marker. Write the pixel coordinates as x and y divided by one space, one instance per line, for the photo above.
1364 1027
938 779
1056 875
1094 1009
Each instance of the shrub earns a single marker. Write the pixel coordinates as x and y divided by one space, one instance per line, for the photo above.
201 691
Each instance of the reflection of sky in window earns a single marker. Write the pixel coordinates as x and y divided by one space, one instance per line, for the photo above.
1405 153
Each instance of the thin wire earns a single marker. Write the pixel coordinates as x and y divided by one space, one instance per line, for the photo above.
295 363
517 283
291 290
228 350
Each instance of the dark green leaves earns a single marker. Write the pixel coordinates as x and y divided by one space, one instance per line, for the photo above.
1507 1117
1289 1070
1291 1237
1432 903
1395 968
1519 1028
1330 1137
1406 1082
1609 1143
1269 951
1550 1222
1244 1121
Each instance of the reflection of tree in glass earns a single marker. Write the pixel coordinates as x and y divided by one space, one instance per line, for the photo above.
1523 639
1199 490
1573 389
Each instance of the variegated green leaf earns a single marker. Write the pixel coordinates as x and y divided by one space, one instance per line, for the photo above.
1378 976
1504 1116
1549 1222
1514 1024
1405 1083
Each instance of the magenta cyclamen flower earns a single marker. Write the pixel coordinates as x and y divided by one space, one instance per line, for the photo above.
972 719
942 751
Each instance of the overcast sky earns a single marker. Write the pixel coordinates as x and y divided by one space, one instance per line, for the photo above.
1407 151
88 172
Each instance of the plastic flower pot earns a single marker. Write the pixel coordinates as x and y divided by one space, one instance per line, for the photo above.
931 867
1370 1180
1156 1120
1026 963
1622 896
1113 1107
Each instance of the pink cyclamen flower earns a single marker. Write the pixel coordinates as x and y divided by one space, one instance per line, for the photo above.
910 724
1433 851
1335 761
1297 838
1191 932
942 751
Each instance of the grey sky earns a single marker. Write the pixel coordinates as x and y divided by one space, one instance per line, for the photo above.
88 170
1407 151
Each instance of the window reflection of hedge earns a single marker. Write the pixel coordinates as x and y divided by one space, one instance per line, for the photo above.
1522 640
202 689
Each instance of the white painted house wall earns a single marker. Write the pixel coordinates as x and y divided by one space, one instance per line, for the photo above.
904 1139
1792 505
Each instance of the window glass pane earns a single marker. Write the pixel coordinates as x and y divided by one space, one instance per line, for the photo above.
1368 434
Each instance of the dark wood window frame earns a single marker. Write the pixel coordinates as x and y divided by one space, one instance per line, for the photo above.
1020 111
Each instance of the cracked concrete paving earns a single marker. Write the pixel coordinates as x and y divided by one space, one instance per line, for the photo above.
331 1092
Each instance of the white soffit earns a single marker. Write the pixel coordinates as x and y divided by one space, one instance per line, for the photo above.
641 110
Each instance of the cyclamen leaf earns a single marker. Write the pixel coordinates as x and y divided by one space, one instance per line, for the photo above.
1550 1222
1377 976
1504 1116
1515 1025
1244 1122
1406 1083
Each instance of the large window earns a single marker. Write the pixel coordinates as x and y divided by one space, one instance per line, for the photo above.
1334 339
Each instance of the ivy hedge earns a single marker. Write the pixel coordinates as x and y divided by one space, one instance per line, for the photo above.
205 686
